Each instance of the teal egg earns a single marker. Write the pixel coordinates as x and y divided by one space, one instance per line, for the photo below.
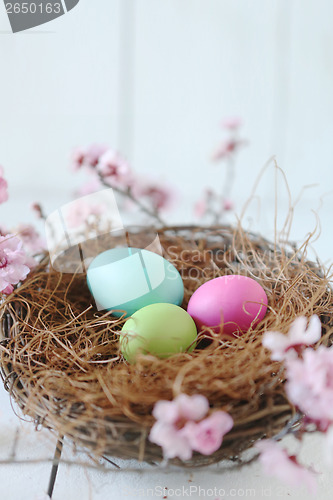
130 278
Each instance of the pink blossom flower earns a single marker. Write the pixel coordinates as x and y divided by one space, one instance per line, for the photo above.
94 153
227 205
200 208
37 208
77 159
80 211
207 436
180 430
89 156
171 440
183 407
228 148
170 416
3 187
309 384
89 187
277 462
232 123
160 197
299 335
3 230
30 237
13 263
114 169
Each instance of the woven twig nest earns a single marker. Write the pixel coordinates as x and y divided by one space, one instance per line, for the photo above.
60 358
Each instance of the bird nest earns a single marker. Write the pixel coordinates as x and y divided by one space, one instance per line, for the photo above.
61 362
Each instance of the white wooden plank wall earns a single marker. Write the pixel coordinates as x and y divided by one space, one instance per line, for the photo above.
154 78
59 89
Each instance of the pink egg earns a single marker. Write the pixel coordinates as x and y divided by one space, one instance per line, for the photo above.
234 301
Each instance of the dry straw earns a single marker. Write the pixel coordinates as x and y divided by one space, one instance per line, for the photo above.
60 358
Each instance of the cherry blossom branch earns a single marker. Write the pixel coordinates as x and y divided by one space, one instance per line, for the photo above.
127 193
111 170
213 203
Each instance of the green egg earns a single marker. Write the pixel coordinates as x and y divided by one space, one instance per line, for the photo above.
161 329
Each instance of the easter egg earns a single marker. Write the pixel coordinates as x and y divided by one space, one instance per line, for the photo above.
130 278
235 301
158 329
